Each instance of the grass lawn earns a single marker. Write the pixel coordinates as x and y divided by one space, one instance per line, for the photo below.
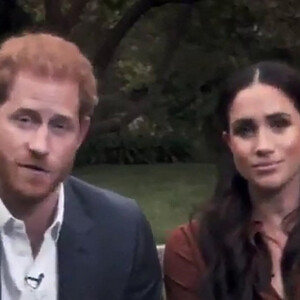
166 193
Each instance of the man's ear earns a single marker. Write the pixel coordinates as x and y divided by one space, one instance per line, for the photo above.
84 128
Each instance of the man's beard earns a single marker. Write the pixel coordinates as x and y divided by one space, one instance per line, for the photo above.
11 190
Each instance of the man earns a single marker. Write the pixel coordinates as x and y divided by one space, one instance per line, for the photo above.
61 238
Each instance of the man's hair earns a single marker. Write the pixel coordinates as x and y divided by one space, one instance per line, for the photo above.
47 55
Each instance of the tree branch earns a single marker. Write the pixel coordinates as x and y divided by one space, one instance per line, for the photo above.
144 100
173 42
163 2
114 36
54 19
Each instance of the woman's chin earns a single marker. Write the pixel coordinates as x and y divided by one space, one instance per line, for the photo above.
271 183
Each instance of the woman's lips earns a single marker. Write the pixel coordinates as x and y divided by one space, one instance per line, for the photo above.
266 166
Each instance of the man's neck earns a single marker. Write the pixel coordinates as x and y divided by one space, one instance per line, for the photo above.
37 217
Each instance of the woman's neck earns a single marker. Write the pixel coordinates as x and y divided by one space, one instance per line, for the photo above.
272 206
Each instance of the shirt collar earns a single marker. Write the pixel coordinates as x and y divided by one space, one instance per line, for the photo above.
256 226
55 227
257 223
57 223
5 215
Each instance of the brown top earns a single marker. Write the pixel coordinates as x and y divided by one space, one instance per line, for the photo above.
183 266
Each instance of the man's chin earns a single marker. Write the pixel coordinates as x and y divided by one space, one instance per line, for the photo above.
33 194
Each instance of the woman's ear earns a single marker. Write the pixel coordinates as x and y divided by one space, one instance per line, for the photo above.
226 139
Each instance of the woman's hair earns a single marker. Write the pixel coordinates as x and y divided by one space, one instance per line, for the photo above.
239 266
47 55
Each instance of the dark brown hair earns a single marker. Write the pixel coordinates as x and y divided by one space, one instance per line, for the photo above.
240 268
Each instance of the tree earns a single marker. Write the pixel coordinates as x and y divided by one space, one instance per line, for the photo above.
62 16
165 59
13 18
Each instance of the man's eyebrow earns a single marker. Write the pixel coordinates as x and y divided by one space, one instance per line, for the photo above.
25 110
33 113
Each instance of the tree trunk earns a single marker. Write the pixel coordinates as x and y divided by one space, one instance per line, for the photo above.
143 103
57 22
54 19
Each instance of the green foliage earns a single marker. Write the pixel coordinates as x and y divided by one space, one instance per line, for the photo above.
35 8
181 70
134 74
117 4
129 148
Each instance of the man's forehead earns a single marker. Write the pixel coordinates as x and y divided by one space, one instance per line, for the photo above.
34 80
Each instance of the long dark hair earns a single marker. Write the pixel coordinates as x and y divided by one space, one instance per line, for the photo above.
239 267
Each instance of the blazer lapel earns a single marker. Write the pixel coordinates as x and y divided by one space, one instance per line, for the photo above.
73 249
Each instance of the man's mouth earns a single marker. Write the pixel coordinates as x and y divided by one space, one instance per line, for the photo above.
34 167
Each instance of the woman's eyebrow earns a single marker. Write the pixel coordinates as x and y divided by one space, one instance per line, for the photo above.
242 121
278 115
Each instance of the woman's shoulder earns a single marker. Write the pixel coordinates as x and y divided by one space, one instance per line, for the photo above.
182 243
183 265
184 233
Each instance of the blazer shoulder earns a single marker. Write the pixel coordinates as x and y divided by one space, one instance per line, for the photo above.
99 198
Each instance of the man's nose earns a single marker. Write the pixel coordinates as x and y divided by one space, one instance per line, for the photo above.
38 143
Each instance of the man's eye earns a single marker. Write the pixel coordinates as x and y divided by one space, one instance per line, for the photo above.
59 126
24 119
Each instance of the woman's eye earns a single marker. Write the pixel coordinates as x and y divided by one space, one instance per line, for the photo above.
244 131
280 123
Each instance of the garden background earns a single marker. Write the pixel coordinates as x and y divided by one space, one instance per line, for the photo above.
160 65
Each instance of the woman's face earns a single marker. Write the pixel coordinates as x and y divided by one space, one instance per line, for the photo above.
264 136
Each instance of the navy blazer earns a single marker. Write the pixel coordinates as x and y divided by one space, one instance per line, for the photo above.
105 248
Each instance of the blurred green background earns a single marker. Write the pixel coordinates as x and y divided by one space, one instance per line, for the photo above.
167 193
160 65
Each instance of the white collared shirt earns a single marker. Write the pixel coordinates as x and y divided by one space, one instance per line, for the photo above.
18 267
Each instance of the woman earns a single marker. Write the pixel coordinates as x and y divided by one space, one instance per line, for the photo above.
246 244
